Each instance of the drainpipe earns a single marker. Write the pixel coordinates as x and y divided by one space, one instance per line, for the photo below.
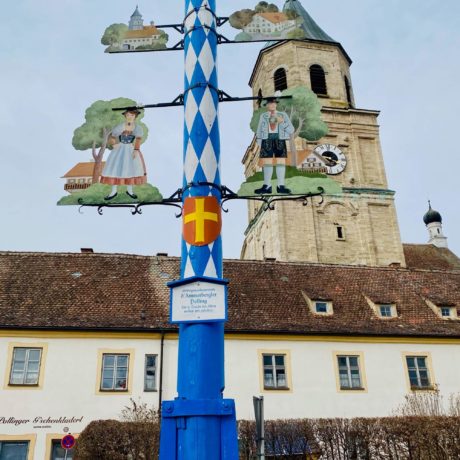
160 391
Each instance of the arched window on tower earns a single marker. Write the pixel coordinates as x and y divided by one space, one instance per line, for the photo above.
348 90
318 80
280 80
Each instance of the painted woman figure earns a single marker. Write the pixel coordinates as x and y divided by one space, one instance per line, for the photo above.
125 165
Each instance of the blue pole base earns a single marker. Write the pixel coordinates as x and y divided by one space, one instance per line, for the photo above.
181 414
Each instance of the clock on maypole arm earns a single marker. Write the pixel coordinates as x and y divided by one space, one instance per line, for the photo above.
333 158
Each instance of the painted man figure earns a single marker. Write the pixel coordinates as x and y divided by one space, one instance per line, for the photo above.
274 129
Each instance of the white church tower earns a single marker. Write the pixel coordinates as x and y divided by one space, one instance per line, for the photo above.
136 22
433 222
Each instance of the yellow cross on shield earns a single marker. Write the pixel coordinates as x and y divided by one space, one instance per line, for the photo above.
202 221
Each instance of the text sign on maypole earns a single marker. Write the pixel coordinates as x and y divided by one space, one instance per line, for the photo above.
198 299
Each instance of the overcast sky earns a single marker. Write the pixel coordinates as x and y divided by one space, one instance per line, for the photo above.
406 64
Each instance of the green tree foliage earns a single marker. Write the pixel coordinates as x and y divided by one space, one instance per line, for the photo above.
291 14
265 7
113 35
95 132
296 34
241 19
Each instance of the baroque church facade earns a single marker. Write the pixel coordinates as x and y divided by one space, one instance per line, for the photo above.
330 315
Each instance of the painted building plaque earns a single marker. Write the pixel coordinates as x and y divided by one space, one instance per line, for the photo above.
198 299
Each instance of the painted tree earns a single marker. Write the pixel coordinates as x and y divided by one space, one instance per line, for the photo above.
265 7
240 19
113 35
95 132
304 110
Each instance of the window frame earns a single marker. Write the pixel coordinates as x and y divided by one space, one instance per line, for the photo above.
30 439
150 390
115 369
25 371
130 371
287 371
329 308
391 306
429 369
361 369
349 368
41 367
51 438
452 312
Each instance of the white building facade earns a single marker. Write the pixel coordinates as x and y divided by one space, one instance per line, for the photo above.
299 377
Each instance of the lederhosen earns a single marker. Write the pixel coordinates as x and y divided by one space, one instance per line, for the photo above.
273 147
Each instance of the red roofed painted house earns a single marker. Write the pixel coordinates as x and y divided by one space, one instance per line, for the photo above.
138 34
269 23
80 177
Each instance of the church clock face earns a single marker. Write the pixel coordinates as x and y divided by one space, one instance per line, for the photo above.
334 159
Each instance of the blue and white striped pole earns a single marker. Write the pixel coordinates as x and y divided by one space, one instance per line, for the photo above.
200 424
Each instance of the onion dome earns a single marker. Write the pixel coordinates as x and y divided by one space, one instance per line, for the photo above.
432 216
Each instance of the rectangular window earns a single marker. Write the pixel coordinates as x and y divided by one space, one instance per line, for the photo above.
150 375
58 453
419 376
446 312
321 307
114 372
25 366
274 372
13 450
385 311
349 374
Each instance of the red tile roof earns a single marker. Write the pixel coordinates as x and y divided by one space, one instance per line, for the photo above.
82 170
125 292
428 256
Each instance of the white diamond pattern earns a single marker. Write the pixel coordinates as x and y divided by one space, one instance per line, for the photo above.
191 109
190 62
206 60
206 18
211 269
208 161
208 110
191 163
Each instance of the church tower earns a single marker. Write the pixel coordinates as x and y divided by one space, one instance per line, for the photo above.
358 227
136 22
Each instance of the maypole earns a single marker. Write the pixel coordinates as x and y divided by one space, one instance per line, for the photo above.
199 424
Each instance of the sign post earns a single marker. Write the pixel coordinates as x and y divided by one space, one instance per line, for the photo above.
200 424
67 443
260 429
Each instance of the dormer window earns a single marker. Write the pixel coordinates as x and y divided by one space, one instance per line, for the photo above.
447 312
317 306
